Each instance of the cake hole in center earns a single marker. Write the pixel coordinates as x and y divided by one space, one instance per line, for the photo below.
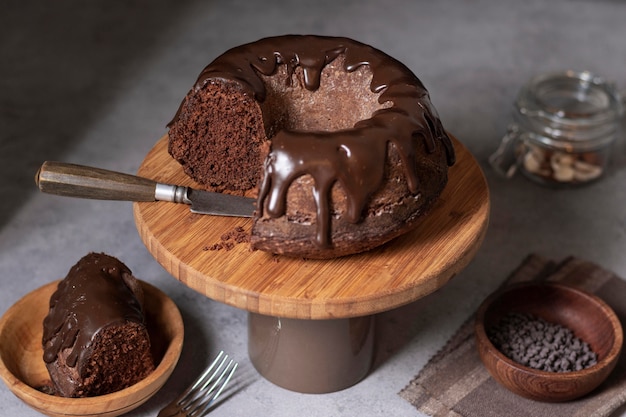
343 99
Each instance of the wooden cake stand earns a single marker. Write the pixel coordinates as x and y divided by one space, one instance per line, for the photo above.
311 321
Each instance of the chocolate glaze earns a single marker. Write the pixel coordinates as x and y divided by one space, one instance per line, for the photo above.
354 157
93 295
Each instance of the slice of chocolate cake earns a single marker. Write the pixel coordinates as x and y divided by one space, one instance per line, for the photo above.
95 338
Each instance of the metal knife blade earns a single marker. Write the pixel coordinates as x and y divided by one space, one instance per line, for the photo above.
205 202
95 183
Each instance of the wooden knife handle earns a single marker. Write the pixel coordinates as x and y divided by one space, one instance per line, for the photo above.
86 182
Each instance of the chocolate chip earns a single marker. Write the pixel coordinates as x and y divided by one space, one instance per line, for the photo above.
534 342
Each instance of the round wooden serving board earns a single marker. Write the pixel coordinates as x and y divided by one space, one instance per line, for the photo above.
404 270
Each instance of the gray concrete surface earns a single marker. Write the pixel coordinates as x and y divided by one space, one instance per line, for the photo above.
96 82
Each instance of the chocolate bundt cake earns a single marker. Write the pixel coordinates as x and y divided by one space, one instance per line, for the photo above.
94 337
338 141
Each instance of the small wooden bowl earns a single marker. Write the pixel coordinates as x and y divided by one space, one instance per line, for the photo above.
23 370
589 318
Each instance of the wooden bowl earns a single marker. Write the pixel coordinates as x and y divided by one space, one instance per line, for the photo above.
23 370
589 318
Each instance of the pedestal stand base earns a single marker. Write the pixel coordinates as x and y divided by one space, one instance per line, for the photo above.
311 356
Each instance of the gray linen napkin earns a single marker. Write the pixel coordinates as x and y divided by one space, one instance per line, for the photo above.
454 383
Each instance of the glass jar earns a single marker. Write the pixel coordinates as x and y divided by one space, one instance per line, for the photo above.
564 125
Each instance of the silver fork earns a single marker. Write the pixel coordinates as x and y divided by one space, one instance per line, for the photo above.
197 400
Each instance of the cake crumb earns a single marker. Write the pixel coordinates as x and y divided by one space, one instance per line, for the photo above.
230 239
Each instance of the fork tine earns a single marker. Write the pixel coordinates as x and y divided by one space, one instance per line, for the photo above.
199 397
207 400
232 365
199 389
185 397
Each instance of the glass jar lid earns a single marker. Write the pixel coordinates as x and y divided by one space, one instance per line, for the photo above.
569 109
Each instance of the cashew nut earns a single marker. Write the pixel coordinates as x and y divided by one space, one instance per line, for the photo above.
586 171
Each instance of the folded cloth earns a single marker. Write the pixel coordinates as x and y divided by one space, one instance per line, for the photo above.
454 383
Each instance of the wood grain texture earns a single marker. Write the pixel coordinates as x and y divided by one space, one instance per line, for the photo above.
88 182
586 315
404 270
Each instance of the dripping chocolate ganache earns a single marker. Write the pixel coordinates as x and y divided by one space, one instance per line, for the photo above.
95 338
339 142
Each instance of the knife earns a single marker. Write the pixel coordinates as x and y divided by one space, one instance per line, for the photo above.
95 183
